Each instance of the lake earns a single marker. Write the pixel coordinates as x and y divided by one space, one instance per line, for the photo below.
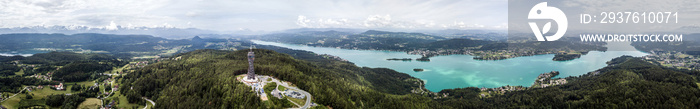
458 71
24 53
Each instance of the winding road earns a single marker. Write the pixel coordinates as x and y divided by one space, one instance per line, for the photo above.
149 100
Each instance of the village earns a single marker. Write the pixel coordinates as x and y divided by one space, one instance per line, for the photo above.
491 54
542 81
673 59
108 87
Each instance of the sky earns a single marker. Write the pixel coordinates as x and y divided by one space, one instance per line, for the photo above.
257 15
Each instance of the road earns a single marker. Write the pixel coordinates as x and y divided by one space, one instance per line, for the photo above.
149 100
308 95
25 88
109 74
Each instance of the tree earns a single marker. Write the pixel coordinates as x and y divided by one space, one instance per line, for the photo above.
27 96
54 100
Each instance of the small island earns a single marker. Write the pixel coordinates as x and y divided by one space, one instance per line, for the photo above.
399 59
425 59
490 57
566 56
417 69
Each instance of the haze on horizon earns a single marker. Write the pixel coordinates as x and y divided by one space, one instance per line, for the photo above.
257 15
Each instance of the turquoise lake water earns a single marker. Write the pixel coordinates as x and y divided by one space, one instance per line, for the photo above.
457 71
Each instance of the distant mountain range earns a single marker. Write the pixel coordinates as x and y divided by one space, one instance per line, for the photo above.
183 33
118 45
164 32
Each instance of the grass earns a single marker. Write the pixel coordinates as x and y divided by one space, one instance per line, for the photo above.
485 93
46 91
27 103
281 88
123 103
70 85
90 103
298 101
84 83
118 69
12 103
20 73
682 55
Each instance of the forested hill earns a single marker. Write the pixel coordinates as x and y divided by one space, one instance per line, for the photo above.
205 79
372 39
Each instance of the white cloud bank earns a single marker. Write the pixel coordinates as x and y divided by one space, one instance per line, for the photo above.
266 15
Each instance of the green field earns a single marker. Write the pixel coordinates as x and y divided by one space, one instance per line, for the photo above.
123 103
298 101
20 73
90 103
69 85
32 103
46 91
12 103
281 88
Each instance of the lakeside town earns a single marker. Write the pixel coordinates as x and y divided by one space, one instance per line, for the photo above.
543 80
494 54
674 59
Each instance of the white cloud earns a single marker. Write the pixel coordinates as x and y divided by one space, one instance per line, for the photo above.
378 21
302 21
112 26
254 15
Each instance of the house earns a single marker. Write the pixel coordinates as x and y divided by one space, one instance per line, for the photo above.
116 87
59 86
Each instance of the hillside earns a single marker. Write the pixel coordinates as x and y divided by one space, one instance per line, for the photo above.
204 79
371 39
